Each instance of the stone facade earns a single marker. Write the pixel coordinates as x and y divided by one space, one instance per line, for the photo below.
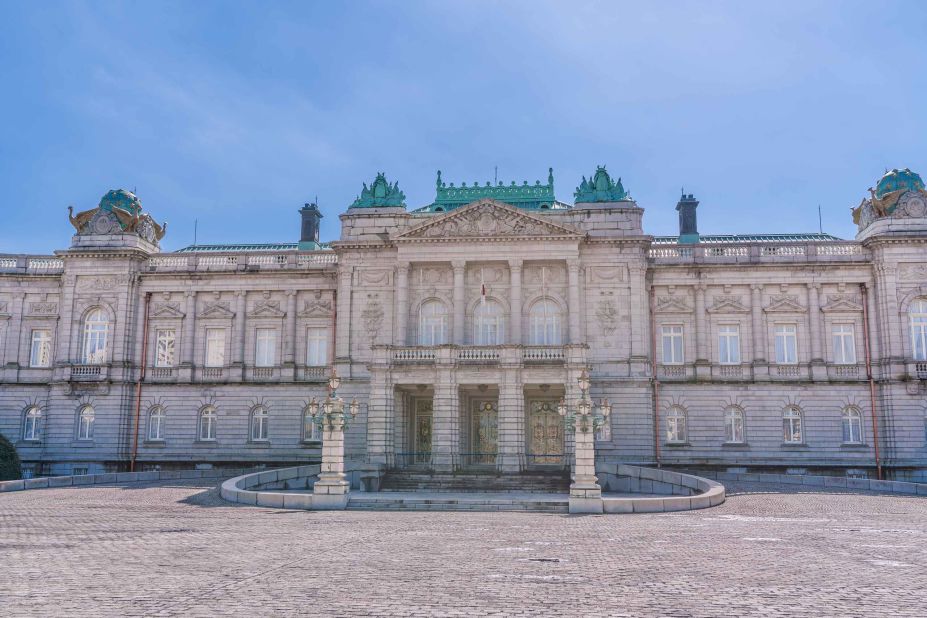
460 330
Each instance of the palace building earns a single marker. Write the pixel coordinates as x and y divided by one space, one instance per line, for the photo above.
460 325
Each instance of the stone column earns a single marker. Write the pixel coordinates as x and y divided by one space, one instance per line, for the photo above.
402 304
189 335
894 325
573 282
289 355
460 303
445 436
380 408
873 326
343 324
511 421
14 335
818 369
702 352
639 300
330 492
237 370
760 366
515 334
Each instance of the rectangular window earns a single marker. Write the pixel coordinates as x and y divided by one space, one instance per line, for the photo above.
317 346
844 344
215 347
729 345
40 355
786 344
164 347
265 350
672 345
79 471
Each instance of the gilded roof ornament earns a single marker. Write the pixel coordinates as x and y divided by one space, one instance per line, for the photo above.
119 212
601 188
380 194
900 193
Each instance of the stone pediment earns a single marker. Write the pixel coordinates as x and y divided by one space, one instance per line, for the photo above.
842 302
267 309
487 219
784 304
167 310
728 304
672 304
316 309
218 310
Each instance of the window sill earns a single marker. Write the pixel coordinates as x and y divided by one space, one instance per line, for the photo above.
735 445
855 446
311 443
676 444
154 443
205 443
258 444
82 443
794 445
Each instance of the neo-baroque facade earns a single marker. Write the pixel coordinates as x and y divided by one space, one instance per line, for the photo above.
461 325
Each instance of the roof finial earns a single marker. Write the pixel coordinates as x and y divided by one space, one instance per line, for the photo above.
438 182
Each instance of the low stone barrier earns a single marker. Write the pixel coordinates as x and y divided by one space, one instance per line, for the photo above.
810 480
684 492
258 487
110 478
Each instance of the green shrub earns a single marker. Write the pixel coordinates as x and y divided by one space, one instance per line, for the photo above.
9 461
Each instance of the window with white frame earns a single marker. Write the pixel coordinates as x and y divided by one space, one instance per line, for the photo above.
207 424
215 347
156 424
844 344
792 426
317 346
265 347
734 426
32 424
918 317
96 331
259 419
544 323
488 323
40 354
311 431
165 345
729 344
671 336
786 344
676 425
852 424
432 323
85 422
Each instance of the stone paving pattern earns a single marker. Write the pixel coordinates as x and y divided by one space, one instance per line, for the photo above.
176 548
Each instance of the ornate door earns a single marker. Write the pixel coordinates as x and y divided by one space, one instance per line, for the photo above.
545 434
422 428
485 432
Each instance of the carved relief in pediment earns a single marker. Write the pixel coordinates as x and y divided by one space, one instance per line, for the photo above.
544 274
786 303
478 275
373 276
431 275
316 308
842 302
672 304
43 308
607 274
487 218
267 309
167 310
728 304
217 309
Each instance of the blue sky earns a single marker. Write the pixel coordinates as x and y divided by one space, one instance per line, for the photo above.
236 113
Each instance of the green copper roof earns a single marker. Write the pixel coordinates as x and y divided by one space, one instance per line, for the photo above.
895 180
121 199
530 197
743 238
245 248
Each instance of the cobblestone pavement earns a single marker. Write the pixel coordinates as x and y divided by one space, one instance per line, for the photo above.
178 549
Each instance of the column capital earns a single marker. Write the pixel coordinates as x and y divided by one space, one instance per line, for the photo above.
189 293
290 293
573 265
240 293
756 287
700 287
813 286
516 264
403 264
458 265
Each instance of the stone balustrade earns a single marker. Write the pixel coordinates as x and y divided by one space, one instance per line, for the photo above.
759 253
38 265
233 262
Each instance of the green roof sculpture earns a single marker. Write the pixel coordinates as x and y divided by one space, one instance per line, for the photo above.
381 194
601 188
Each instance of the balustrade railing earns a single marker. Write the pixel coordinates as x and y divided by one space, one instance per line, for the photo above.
849 372
212 373
730 371
672 371
753 251
196 262
86 372
161 373
478 355
543 354
788 371
921 370
263 373
414 355
315 373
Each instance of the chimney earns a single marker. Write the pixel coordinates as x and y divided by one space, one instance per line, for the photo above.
309 237
688 227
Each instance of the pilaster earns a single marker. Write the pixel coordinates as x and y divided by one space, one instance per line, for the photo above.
289 356
189 335
760 366
515 332
511 420
402 303
446 421
573 282
818 368
459 268
237 369
702 362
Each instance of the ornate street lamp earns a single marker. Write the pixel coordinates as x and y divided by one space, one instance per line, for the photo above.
331 490
585 409
332 409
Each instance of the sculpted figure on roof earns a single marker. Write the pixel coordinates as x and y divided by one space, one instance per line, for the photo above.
600 188
380 194
119 212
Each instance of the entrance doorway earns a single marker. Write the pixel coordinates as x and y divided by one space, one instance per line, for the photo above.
484 433
545 434
422 431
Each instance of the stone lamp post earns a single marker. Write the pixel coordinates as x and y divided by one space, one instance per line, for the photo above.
583 421
331 490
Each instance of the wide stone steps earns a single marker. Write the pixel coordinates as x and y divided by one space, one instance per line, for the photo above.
399 481
402 502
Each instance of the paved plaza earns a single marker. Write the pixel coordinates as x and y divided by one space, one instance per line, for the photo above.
178 549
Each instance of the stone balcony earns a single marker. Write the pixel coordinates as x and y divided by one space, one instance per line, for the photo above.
224 262
451 354
747 372
758 253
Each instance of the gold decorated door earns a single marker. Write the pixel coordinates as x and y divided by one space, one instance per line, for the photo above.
545 434
422 431
485 432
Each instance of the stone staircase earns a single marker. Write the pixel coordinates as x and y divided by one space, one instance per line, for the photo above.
424 501
553 482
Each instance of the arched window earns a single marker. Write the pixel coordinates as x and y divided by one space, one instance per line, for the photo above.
544 320
85 421
311 431
852 422
676 425
259 420
792 429
918 315
96 329
32 424
734 426
432 323
207 429
488 323
156 423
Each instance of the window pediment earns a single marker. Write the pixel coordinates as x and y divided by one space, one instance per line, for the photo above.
728 304
217 310
167 310
842 302
784 304
672 304
267 309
